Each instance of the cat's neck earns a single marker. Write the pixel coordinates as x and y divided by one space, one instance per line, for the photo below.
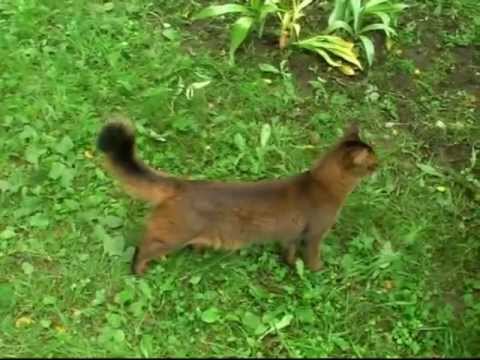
334 179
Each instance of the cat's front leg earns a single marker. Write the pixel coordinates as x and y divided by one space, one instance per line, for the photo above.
311 251
290 251
311 255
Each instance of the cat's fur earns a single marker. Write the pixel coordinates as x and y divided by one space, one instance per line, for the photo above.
294 211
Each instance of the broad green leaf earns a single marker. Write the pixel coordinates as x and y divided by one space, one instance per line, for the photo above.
386 8
108 6
210 315
261 329
305 314
57 170
196 86
344 53
356 9
114 320
136 308
384 17
112 246
99 297
217 10
200 84
341 343
338 12
7 297
28 133
386 256
4 185
240 30
183 123
369 48
399 7
7 233
339 24
252 321
429 170
145 289
45 323
346 69
296 30
39 220
256 4
286 20
266 10
373 27
171 34
348 262
333 39
468 299
300 267
27 268
124 296
268 68
49 300
327 58
65 145
112 221
284 322
133 8
33 153
118 335
389 43
239 141
62 172
304 4
194 280
373 3
265 134
23 321
146 345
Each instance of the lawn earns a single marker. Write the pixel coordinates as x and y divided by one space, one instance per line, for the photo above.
402 265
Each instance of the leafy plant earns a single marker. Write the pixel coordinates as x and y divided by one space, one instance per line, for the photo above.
358 17
290 21
330 45
253 16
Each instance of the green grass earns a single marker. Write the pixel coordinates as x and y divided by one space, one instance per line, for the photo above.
402 264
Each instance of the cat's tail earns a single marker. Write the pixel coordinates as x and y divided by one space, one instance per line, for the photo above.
117 141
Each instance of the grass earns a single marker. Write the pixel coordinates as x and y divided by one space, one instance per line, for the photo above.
402 276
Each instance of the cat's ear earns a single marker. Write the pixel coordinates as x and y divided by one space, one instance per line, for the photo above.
351 132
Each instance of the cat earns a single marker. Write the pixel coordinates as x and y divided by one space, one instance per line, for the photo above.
296 211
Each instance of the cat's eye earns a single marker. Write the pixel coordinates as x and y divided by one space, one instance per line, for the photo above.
372 166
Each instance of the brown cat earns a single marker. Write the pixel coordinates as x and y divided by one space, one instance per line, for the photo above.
293 211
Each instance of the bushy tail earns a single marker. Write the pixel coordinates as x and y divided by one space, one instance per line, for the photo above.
117 141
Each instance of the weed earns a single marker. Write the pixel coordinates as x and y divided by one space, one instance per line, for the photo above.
290 21
358 17
327 45
254 14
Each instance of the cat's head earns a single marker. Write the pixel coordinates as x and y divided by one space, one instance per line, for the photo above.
357 157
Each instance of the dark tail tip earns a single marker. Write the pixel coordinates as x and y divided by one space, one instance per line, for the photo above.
117 140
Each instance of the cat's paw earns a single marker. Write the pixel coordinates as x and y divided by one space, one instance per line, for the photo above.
289 259
198 249
315 266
